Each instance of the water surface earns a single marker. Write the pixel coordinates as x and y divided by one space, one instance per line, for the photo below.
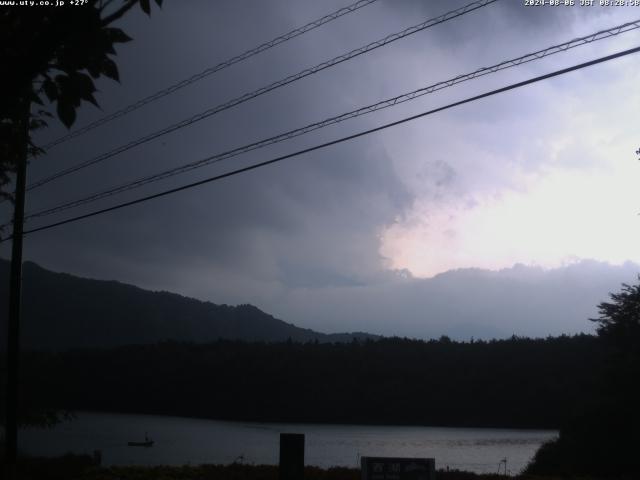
187 441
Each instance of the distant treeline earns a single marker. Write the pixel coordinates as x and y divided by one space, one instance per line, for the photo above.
507 383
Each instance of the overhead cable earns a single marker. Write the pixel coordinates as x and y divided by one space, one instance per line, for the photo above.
261 91
210 71
333 142
390 102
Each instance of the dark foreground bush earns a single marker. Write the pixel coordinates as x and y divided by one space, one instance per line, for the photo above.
604 444
80 467
66 467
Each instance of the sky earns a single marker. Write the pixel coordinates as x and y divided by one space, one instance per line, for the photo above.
514 214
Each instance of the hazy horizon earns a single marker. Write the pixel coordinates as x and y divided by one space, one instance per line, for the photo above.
527 301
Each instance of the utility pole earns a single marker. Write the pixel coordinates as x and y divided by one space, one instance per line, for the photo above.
15 297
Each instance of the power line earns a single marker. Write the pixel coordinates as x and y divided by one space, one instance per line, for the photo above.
211 70
261 91
626 27
335 142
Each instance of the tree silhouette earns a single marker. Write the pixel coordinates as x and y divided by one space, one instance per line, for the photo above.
619 320
604 440
54 54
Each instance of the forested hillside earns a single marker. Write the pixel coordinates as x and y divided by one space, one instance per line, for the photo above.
507 383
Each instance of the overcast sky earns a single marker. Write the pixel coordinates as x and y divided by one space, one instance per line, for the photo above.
350 237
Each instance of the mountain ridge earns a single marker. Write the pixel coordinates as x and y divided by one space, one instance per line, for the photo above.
62 311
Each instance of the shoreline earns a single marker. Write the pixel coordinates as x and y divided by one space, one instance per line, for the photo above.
83 467
315 423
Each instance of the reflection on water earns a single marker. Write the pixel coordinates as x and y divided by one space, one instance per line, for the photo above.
187 441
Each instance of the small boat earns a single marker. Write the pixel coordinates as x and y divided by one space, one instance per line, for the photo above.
147 442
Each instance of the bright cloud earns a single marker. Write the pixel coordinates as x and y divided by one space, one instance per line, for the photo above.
553 185
560 216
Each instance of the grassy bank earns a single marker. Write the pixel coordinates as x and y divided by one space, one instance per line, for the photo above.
78 467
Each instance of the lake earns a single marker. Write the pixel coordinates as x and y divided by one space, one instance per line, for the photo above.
188 441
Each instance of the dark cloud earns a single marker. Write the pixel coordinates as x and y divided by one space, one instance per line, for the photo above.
307 202
302 238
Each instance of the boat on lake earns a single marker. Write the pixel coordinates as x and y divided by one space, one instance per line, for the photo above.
146 443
